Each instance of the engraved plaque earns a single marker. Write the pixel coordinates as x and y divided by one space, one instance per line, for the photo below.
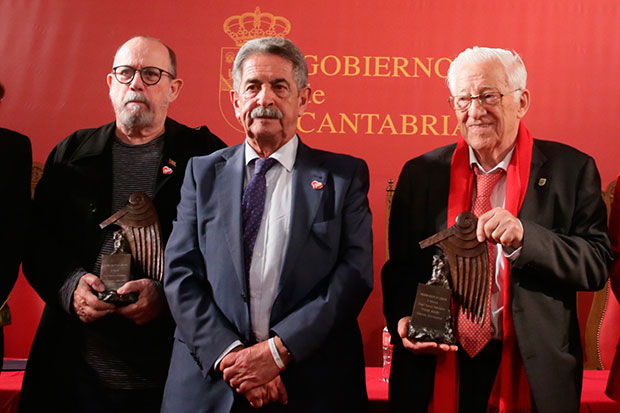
431 318
115 270
432 307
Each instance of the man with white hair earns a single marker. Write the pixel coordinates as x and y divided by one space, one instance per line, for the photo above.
540 212
88 354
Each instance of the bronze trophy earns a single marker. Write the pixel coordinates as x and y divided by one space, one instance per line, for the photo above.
141 232
466 261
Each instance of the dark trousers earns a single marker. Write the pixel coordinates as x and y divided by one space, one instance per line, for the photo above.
96 398
476 377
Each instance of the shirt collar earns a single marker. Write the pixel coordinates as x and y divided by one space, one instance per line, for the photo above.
285 155
502 165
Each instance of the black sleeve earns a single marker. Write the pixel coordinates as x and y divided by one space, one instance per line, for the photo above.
15 207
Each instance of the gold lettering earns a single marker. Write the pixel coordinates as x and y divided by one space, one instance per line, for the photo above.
367 65
370 117
351 62
418 63
408 123
318 96
400 67
457 130
327 122
345 119
429 125
445 118
379 66
312 67
387 123
324 64
438 71
377 123
310 114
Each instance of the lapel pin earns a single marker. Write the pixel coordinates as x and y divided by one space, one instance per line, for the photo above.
542 181
317 185
171 162
166 170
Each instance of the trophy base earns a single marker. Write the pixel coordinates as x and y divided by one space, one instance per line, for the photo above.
112 297
445 336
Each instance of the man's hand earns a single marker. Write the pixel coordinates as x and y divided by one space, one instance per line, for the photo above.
500 227
250 367
421 347
149 305
86 305
271 392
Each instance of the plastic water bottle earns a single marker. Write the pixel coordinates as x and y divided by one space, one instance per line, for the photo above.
387 354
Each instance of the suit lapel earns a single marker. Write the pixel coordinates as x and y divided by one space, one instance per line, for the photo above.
306 200
229 184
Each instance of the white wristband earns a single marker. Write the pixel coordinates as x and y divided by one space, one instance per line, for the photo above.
275 354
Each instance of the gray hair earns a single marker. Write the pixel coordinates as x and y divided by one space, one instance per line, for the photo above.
275 46
512 62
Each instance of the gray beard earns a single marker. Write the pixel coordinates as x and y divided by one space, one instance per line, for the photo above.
133 120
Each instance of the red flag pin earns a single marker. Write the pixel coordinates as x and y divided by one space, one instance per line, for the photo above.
166 170
317 185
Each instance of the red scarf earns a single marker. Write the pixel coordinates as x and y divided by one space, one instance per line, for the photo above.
511 391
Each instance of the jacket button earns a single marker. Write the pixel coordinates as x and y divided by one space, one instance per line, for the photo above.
93 207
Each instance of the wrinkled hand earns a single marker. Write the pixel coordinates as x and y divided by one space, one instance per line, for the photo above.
500 227
249 367
270 392
149 305
86 305
421 347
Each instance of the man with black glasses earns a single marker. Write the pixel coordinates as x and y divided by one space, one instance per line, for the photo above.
91 355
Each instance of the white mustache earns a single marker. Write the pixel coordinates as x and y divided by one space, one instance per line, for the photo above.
136 97
262 112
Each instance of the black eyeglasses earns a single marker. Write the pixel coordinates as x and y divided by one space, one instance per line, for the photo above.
463 103
150 75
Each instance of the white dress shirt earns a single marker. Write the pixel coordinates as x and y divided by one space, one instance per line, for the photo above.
272 237
273 234
498 199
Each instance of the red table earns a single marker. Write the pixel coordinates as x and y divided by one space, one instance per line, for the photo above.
593 398
10 385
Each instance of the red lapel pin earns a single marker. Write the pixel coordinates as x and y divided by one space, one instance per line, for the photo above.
317 185
166 170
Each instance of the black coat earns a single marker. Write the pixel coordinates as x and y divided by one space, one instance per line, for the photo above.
565 250
72 198
15 187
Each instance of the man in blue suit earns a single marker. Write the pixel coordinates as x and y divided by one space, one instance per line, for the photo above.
266 272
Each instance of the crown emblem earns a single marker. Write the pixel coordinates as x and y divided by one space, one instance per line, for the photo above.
252 25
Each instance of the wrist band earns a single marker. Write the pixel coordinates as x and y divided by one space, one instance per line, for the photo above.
275 353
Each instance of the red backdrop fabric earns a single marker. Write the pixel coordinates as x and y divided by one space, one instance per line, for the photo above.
377 71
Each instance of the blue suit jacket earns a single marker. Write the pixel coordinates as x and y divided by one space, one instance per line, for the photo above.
326 278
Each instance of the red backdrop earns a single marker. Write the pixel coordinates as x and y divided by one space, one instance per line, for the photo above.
377 70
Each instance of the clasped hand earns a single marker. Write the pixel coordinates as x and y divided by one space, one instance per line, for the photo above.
252 372
89 308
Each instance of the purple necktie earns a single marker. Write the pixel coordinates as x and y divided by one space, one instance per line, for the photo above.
252 206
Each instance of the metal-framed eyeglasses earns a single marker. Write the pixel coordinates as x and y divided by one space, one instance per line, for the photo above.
490 98
150 75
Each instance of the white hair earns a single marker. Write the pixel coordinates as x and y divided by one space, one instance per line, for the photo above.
512 62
